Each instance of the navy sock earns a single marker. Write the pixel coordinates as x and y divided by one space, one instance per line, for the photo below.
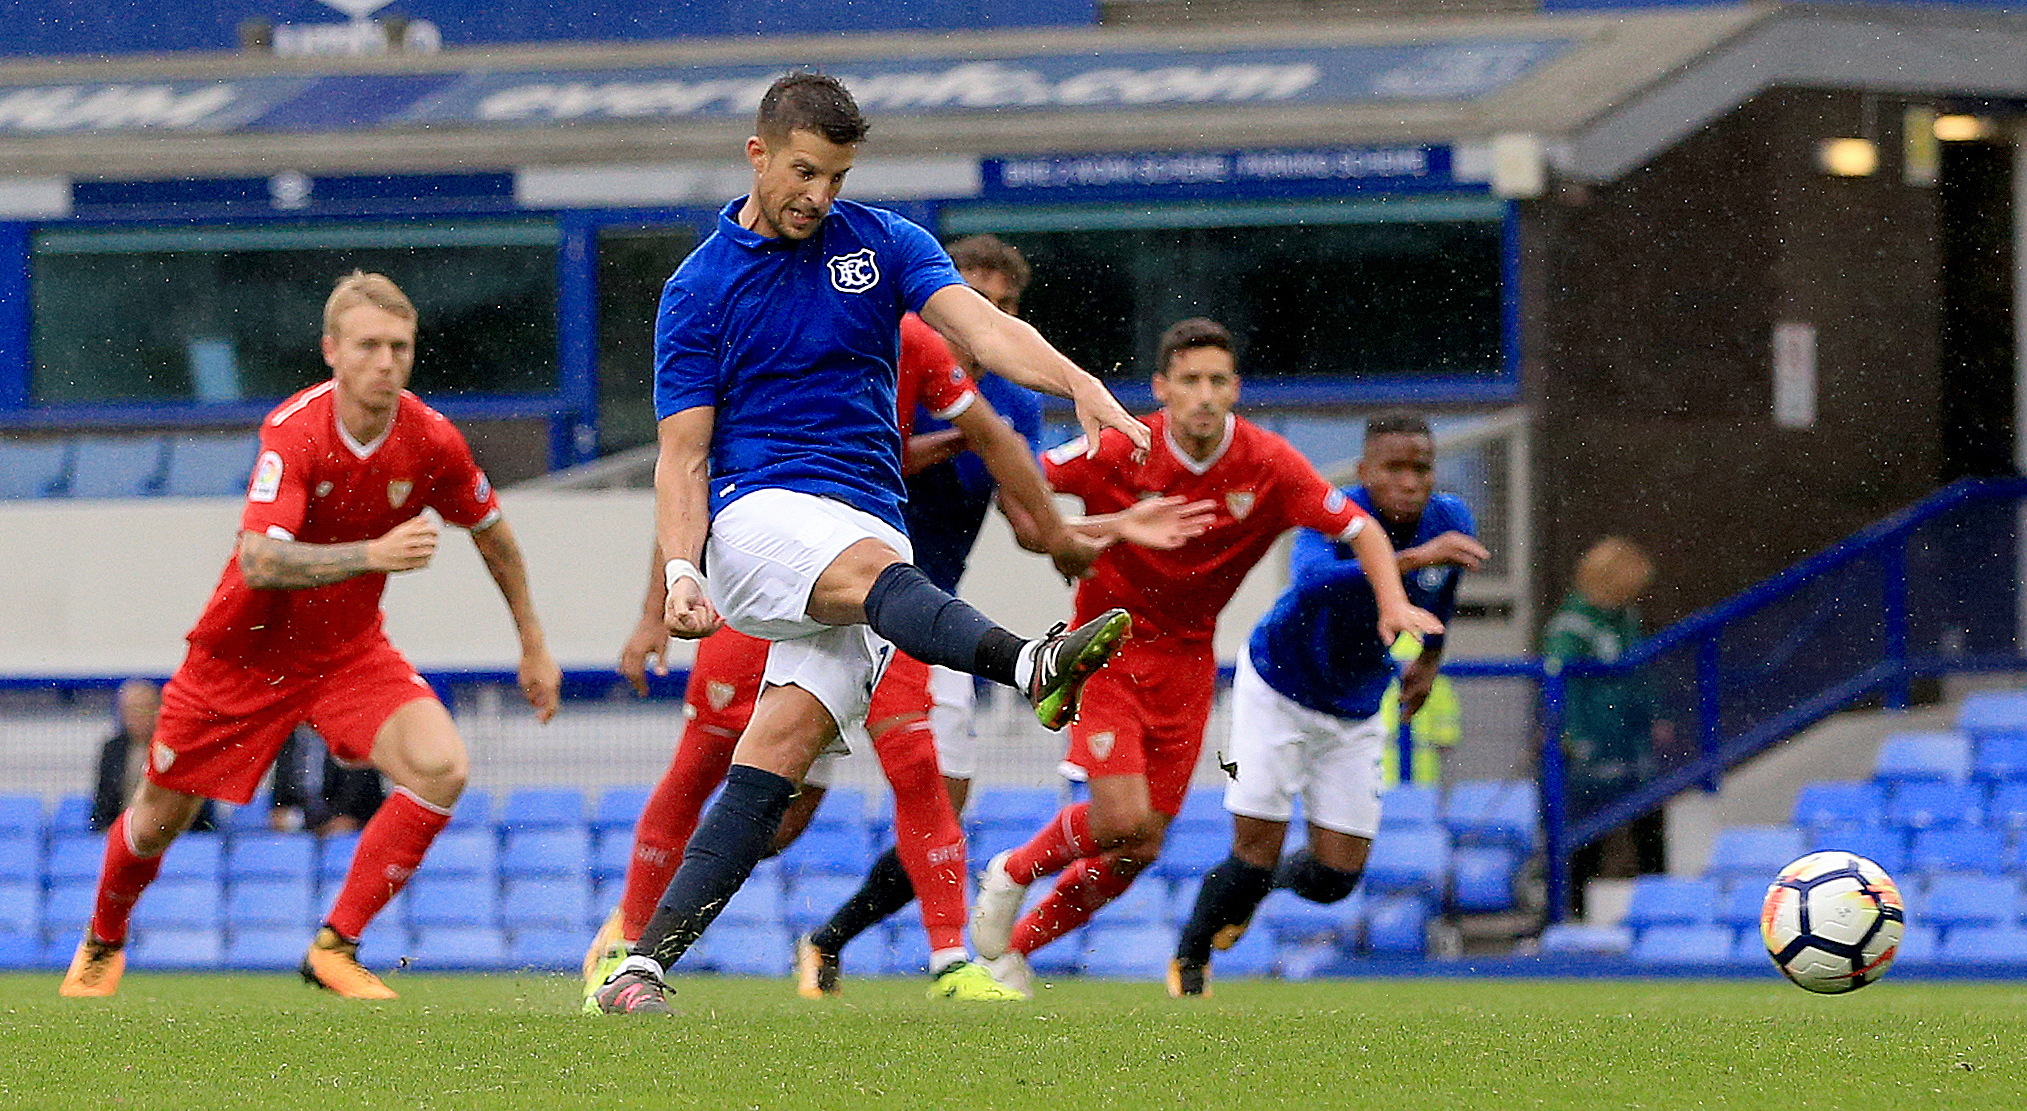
885 891
1230 894
1306 876
721 854
925 621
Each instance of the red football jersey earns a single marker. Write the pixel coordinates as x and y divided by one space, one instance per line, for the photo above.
316 484
928 375
1262 487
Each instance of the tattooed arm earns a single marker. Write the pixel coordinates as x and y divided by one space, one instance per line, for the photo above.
270 563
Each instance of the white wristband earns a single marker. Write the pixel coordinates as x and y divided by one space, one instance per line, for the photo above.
681 569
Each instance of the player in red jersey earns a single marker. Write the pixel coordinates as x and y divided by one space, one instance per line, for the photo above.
292 634
1142 722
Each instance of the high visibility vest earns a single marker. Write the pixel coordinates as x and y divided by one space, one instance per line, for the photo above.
1438 725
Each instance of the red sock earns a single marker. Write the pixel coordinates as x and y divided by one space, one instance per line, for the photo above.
1089 884
1063 840
927 837
668 819
390 849
121 881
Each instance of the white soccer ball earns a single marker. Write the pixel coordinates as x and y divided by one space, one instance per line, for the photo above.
1832 922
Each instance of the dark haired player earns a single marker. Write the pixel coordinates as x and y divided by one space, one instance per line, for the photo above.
1306 703
1142 727
780 472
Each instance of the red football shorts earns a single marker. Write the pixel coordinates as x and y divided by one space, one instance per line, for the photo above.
1144 713
724 681
222 723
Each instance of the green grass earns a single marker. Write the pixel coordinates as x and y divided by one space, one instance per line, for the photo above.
210 1043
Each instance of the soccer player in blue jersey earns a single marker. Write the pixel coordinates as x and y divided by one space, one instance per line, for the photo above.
780 473
1306 701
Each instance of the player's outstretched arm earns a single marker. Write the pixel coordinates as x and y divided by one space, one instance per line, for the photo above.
1396 614
1025 497
648 645
1163 523
271 563
541 680
683 519
1011 348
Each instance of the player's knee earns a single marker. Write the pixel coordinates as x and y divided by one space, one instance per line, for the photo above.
1318 883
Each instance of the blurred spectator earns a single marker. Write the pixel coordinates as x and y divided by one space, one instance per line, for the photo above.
125 754
1610 727
1433 730
313 791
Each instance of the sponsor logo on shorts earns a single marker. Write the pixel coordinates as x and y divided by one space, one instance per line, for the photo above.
267 477
1240 502
1100 744
398 491
163 757
855 272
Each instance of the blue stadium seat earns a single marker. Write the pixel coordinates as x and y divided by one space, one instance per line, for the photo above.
618 808
1204 806
1493 812
470 851
334 858
1682 943
1838 803
2007 807
1310 960
759 899
68 907
2000 760
1397 926
1739 907
1410 805
1753 852
176 947
1958 849
549 950
746 948
21 857
1409 860
32 468
1145 903
72 815
1885 846
76 856
611 852
179 904
20 950
1995 946
553 851
812 898
20 906
1562 938
1913 757
1988 714
1289 917
559 902
1953 900
1253 955
1484 879
1749 950
846 807
474 809
271 904
1931 804
452 901
115 466
21 816
195 858
1918 945
542 808
288 856
455 948
835 847
1027 808
254 817
205 464
1064 957
907 949
1128 951
265 948
1192 850
1670 901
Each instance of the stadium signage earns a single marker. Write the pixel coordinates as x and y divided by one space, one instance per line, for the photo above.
1235 171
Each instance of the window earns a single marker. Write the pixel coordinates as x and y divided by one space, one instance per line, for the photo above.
633 265
217 314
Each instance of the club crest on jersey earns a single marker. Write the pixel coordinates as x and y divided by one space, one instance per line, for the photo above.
719 694
323 489
855 272
1100 744
1240 502
397 492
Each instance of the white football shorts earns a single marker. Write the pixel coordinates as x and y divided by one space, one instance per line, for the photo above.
763 558
950 721
1284 750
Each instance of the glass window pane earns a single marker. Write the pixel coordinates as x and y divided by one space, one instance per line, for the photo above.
229 314
633 264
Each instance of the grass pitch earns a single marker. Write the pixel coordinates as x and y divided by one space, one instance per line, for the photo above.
245 1041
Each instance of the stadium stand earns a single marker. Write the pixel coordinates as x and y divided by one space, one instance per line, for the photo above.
116 466
208 464
33 468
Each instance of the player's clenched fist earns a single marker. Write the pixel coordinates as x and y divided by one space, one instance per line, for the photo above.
688 612
408 546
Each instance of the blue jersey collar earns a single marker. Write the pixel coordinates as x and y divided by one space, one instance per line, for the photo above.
730 228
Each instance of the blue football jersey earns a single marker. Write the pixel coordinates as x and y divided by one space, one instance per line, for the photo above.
947 503
794 342
1319 645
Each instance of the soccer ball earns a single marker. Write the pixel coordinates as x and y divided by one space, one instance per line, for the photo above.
1832 922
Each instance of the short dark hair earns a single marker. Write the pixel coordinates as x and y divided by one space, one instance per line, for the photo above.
993 255
804 100
1197 331
1395 422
